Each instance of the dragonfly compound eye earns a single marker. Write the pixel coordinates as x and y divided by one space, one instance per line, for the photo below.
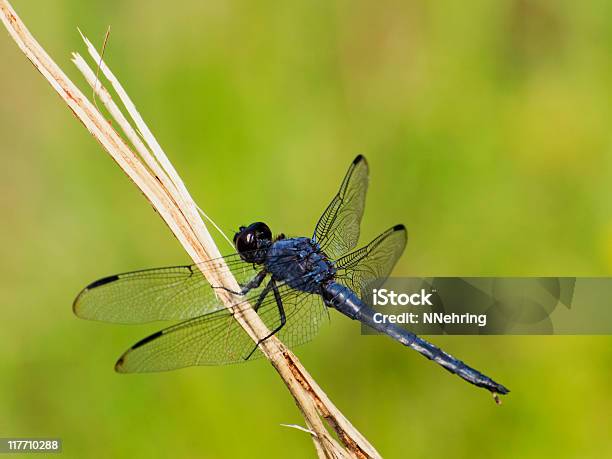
262 231
251 239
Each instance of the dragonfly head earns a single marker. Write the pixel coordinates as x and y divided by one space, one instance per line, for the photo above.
253 241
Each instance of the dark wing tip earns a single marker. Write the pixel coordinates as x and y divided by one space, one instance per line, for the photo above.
94 284
103 281
401 227
120 365
359 158
149 338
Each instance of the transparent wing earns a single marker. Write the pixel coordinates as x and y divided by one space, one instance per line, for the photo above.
217 338
337 231
172 293
305 316
372 264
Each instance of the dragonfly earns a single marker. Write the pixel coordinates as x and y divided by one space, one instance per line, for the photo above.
291 282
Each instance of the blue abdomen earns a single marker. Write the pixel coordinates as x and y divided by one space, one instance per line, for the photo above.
343 299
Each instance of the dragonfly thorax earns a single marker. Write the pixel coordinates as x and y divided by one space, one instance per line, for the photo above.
300 263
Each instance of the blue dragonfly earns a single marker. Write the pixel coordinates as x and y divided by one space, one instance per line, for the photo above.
291 282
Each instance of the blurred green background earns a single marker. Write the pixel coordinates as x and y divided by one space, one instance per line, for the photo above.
487 129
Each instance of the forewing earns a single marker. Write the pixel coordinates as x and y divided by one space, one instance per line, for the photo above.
337 231
371 265
217 338
178 292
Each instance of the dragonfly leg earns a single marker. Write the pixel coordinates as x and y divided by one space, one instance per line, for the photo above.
281 312
262 296
250 285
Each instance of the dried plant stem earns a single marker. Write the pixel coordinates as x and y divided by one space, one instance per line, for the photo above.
149 168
